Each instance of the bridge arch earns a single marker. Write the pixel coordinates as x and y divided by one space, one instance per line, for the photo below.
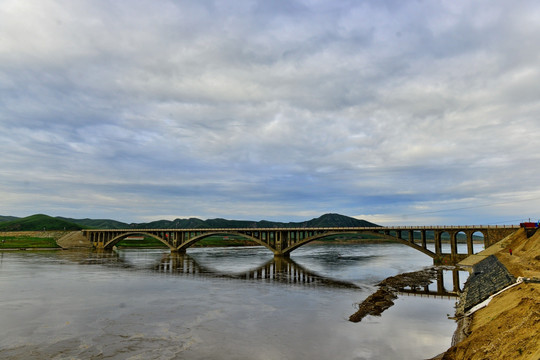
461 238
115 240
182 247
408 243
445 242
305 241
476 247
289 249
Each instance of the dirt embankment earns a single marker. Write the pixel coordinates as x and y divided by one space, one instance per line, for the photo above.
509 327
74 239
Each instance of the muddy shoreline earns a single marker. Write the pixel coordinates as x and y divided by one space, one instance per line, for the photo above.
384 297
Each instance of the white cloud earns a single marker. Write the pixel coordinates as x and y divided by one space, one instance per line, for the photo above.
267 110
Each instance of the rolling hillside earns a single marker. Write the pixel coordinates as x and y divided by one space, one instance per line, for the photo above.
194 223
38 222
97 223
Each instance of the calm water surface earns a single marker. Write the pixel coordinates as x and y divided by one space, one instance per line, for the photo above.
215 303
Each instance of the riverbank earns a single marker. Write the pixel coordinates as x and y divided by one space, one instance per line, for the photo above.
25 240
509 326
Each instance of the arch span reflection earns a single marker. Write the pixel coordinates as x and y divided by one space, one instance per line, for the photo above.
444 282
277 270
419 283
436 282
441 284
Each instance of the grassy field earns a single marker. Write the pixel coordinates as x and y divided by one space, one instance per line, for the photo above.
343 238
211 241
22 242
232 240
147 242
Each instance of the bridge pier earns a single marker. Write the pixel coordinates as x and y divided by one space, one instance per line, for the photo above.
453 243
449 259
282 255
470 248
455 280
438 248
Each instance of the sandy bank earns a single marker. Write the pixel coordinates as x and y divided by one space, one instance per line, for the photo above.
74 239
509 327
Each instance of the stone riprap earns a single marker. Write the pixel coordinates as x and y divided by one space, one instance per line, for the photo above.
488 277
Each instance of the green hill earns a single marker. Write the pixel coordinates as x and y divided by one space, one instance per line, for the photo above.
337 220
326 220
97 223
192 223
7 218
38 222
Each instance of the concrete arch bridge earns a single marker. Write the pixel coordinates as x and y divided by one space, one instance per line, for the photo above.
282 241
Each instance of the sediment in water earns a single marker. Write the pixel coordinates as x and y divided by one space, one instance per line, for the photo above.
383 298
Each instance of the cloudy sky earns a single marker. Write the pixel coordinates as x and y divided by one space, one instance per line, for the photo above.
397 112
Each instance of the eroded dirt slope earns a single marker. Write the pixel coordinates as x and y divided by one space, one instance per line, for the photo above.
509 327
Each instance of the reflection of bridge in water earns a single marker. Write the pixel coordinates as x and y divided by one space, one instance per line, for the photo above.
287 271
283 271
415 283
277 270
437 289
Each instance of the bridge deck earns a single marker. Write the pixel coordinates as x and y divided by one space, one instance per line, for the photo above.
365 228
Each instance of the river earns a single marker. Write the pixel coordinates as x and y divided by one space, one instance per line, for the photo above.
215 303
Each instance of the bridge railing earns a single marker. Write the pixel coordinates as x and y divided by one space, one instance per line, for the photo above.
415 227
366 228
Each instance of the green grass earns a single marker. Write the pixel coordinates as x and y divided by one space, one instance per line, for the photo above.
147 242
343 238
38 222
212 241
234 240
20 242
219 241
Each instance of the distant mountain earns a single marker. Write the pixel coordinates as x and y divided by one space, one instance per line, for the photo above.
38 222
337 220
326 220
97 223
191 223
7 218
